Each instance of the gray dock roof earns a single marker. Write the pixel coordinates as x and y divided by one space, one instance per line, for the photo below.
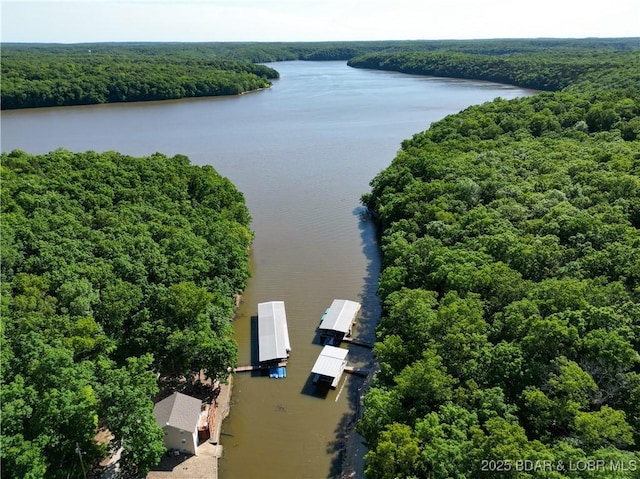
331 362
340 315
273 334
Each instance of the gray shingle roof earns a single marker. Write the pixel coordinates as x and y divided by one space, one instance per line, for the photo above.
179 411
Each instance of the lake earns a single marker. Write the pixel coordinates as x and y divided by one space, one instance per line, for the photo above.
302 153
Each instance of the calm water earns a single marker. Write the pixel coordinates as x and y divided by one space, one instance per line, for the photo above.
302 153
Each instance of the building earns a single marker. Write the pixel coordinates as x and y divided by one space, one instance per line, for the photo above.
273 335
178 417
338 319
329 366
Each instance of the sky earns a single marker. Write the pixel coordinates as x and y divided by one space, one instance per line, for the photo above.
80 21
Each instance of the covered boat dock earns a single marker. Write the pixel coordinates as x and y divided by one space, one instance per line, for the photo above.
338 319
273 334
329 366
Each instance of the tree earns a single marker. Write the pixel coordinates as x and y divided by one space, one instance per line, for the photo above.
126 398
601 117
381 407
552 410
410 313
424 385
603 428
48 408
396 455
445 439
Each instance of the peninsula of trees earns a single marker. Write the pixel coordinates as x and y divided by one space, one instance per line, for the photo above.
115 270
59 76
510 232
550 71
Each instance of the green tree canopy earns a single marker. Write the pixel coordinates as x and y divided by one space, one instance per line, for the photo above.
121 269
511 276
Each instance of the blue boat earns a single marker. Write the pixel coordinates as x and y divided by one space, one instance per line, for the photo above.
278 372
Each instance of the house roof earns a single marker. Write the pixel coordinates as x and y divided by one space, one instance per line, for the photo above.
340 315
273 334
179 411
331 362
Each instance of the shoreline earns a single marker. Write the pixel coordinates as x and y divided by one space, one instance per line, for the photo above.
127 102
223 401
222 410
354 448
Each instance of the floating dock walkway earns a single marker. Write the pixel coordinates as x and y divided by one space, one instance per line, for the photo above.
258 367
361 372
357 342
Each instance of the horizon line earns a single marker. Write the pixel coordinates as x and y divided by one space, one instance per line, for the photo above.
3 42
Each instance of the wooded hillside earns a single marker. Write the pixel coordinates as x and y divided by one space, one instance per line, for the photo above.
510 235
114 270
550 71
59 76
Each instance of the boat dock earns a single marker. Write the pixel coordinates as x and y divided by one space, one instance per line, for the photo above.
273 333
329 366
338 319
357 342
257 367
273 341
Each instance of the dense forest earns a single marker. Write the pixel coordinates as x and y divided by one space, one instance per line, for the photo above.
541 71
510 232
510 235
320 51
114 270
39 75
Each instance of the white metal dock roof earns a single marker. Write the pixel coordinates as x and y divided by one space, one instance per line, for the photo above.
331 362
340 315
273 334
